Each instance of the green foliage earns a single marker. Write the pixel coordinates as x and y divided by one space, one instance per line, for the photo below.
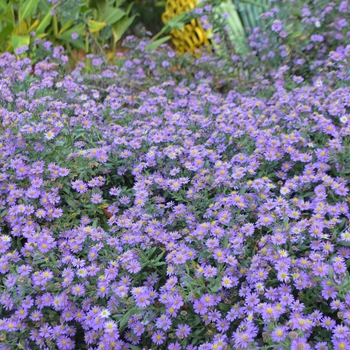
240 15
89 25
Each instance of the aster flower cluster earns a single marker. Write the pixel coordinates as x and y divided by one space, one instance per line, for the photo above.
141 208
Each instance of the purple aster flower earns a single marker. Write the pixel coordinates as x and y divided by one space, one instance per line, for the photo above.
163 322
300 343
183 331
276 25
158 337
114 191
133 266
174 346
78 290
96 198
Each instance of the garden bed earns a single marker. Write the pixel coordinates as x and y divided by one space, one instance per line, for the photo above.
142 207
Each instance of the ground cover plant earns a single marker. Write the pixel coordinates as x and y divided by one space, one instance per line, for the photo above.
165 203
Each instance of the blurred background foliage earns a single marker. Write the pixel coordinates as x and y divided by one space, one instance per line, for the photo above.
97 26
94 26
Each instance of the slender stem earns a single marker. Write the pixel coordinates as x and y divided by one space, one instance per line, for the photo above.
96 42
13 15
55 25
87 43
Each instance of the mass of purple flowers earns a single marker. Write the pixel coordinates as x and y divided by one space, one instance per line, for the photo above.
176 206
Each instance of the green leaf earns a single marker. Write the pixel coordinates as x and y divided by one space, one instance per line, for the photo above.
295 35
44 23
70 203
224 307
27 9
133 347
345 243
100 5
112 15
157 43
214 288
45 6
19 41
67 36
124 320
119 28
119 3
3 4
67 25
128 9
6 32
95 26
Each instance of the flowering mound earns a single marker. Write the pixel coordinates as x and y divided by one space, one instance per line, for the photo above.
170 216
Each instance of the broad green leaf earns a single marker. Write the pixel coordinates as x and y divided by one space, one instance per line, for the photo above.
119 28
119 3
6 32
112 15
45 6
66 26
44 23
19 41
67 36
295 34
3 4
27 9
95 26
133 347
100 5
157 43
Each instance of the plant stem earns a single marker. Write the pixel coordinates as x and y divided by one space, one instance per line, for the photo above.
55 25
87 43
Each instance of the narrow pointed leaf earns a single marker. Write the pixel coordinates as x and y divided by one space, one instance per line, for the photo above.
157 43
121 27
44 23
100 5
66 26
34 25
113 15
128 9
27 9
